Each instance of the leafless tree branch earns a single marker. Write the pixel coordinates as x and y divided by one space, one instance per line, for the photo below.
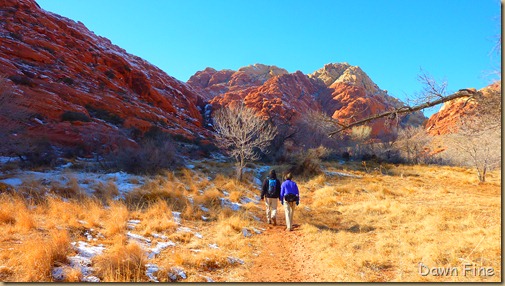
392 114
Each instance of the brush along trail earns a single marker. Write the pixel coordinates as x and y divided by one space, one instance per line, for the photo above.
282 256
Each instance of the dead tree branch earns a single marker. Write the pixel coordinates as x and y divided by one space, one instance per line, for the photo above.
407 109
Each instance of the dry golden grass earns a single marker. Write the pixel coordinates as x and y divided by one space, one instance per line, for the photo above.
157 218
121 263
34 259
168 189
385 225
116 219
378 227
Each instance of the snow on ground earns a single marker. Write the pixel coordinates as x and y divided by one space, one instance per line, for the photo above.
88 182
82 261
153 245
340 174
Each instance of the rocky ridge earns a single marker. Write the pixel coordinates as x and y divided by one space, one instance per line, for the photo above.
447 119
54 67
342 91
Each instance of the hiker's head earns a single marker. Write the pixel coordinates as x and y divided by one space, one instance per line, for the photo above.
289 176
273 175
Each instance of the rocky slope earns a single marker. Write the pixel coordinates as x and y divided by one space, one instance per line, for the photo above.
446 120
341 91
74 88
69 81
354 96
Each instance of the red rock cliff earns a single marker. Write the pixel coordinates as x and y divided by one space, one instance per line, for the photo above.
447 119
52 66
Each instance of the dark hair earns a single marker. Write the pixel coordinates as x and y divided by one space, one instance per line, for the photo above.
273 175
289 176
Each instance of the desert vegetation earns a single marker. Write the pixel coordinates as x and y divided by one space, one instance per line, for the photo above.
201 224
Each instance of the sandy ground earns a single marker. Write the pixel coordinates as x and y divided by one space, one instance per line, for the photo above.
282 256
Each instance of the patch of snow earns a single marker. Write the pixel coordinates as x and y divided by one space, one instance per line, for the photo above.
199 235
257 182
4 160
234 260
229 204
204 208
204 218
58 274
82 260
15 182
88 236
150 270
245 200
246 233
132 224
176 272
184 229
155 235
66 166
159 247
189 166
340 174
226 193
208 279
138 237
177 217
213 246
257 231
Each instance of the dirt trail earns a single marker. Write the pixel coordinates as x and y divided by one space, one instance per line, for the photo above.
282 256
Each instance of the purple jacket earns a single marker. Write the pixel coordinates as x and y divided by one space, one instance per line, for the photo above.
289 187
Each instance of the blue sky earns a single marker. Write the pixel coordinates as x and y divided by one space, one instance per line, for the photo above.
391 40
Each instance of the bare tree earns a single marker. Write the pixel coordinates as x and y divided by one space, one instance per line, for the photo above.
243 134
478 139
360 135
411 142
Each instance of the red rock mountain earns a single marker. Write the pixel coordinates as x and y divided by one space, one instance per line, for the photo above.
74 86
342 91
447 119
72 81
354 96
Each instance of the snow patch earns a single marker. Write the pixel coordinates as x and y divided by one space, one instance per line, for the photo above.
159 247
340 174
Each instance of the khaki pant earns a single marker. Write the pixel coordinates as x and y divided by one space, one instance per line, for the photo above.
289 209
271 206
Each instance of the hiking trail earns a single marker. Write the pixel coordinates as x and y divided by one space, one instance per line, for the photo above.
282 256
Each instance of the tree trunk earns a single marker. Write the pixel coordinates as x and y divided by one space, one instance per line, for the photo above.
240 168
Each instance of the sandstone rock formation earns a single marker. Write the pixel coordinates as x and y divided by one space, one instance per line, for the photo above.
355 96
212 83
342 91
53 66
447 119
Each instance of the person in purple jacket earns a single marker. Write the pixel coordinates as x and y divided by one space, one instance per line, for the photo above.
289 197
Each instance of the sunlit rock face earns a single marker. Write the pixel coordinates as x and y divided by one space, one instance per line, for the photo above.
447 119
54 68
340 90
355 96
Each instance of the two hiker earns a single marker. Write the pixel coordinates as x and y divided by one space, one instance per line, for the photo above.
287 194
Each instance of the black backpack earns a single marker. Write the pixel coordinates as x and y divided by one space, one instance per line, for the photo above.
290 198
272 186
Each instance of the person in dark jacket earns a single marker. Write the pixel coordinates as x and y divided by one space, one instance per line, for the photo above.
289 197
271 191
